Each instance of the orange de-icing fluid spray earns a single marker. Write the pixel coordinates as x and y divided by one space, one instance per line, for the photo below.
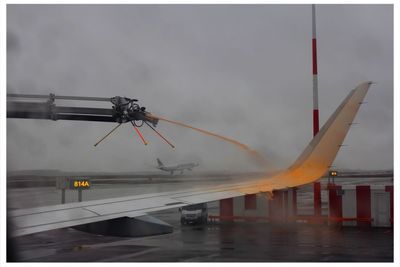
254 154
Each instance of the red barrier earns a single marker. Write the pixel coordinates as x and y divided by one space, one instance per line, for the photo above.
285 204
232 218
363 196
276 209
306 218
250 202
317 199
389 188
294 201
226 207
335 201
321 219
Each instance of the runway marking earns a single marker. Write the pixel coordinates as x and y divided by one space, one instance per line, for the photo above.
202 258
119 258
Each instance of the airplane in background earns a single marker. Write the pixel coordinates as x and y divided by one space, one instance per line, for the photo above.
179 167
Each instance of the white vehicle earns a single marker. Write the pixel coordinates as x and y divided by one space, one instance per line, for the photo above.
197 213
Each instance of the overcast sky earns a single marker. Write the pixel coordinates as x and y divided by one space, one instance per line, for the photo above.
240 71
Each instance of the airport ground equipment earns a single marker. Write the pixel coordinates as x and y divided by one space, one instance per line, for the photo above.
123 110
197 213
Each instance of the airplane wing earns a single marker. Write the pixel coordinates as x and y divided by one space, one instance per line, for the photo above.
28 221
310 166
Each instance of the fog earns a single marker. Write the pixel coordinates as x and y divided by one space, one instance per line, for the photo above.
243 72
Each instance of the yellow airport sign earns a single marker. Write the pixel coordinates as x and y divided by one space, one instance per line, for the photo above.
80 184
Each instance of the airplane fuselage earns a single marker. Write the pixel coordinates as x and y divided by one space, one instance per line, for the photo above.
180 167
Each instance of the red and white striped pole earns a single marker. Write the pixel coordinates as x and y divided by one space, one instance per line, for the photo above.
317 185
315 74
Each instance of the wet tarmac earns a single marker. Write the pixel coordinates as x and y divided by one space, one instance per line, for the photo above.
225 242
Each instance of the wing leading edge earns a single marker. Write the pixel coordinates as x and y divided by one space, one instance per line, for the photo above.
309 166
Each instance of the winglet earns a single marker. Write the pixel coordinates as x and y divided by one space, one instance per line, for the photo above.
320 153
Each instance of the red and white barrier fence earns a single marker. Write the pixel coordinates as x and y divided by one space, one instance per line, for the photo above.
349 205
362 205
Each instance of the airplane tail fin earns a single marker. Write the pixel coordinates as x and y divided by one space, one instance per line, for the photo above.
320 153
160 164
